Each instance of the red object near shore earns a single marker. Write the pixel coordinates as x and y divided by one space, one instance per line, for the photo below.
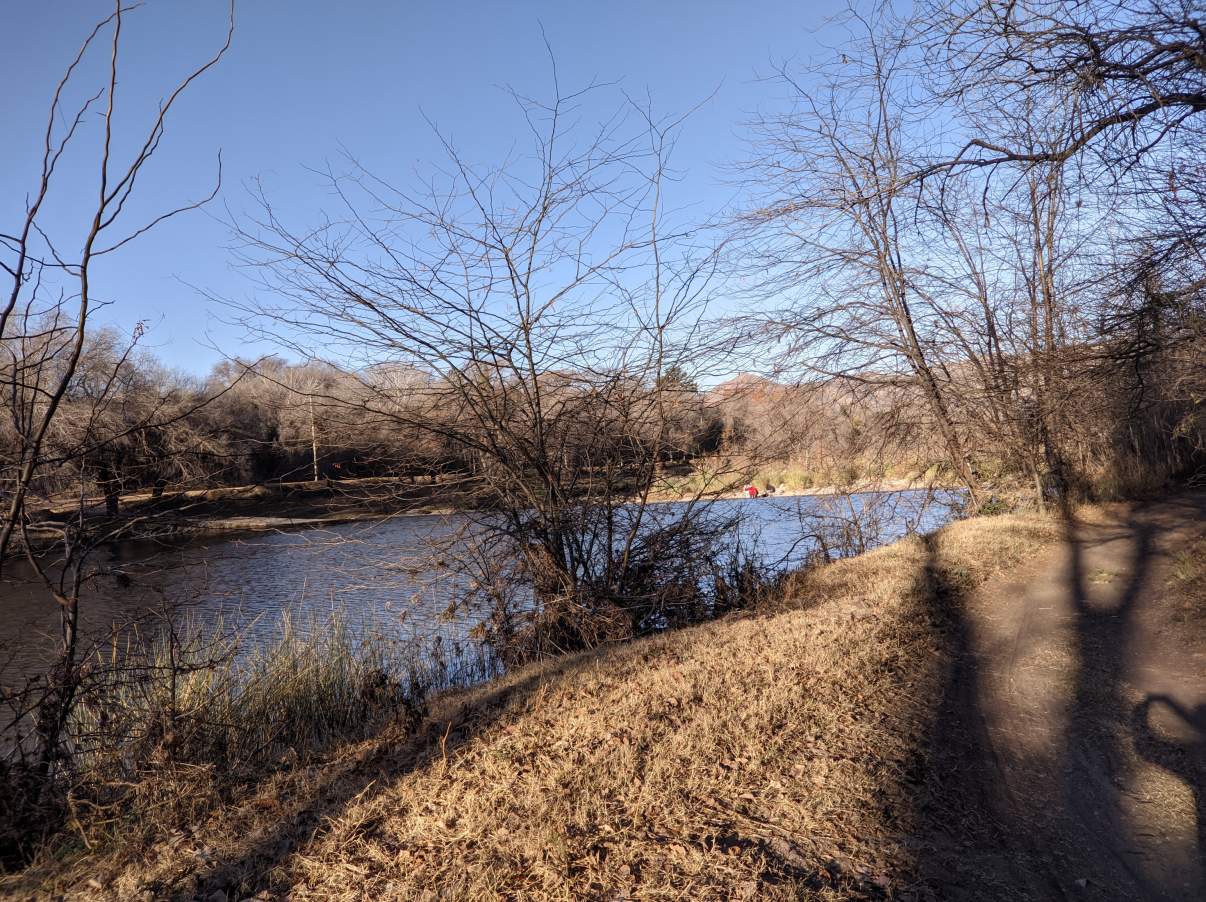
752 491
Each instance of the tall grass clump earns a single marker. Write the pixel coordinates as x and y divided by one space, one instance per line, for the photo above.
177 716
201 696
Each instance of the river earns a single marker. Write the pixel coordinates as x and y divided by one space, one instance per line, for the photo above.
378 575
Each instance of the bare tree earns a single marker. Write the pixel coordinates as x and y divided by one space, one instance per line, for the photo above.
544 312
45 324
1126 75
836 233
1011 277
1084 105
949 198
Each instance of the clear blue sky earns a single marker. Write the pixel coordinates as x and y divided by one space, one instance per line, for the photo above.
307 77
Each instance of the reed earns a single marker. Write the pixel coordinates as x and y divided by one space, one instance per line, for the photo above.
177 716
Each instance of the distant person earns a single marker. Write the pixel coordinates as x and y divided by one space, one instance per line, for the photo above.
752 490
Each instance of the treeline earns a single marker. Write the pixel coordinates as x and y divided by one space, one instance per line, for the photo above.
131 426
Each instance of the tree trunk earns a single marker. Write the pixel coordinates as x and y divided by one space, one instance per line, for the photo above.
111 489
313 441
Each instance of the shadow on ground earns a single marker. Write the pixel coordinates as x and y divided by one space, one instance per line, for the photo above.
1046 745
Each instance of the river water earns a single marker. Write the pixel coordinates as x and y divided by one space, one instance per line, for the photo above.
384 575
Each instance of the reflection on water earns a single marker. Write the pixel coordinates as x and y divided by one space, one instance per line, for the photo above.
379 575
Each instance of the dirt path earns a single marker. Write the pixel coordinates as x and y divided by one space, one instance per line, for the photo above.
1074 760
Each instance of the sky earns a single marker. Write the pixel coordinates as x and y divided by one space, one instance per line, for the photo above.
309 79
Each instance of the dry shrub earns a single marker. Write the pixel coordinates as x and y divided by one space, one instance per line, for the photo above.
634 572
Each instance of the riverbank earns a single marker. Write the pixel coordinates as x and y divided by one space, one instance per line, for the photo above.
230 510
792 751
860 487
266 507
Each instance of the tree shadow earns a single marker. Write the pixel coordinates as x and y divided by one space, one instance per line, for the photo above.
1095 761
962 847
1183 758
985 833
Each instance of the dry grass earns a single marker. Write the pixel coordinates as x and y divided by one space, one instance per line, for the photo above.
1187 583
769 756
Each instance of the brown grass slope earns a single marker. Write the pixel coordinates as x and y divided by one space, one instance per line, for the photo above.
777 755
